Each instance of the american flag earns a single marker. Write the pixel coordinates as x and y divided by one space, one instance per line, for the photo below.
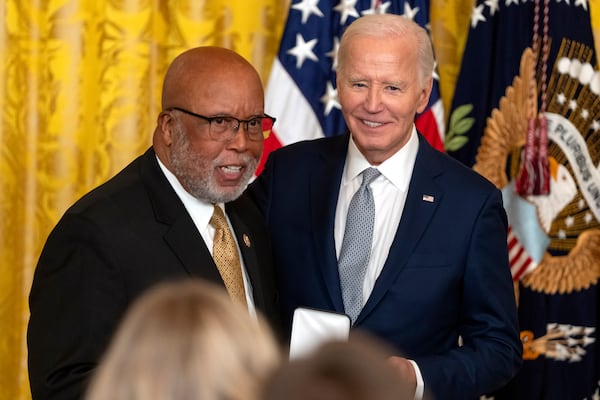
301 90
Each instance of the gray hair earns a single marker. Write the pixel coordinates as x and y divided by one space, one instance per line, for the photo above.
391 26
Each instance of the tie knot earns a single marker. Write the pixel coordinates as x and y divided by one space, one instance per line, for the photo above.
369 175
218 220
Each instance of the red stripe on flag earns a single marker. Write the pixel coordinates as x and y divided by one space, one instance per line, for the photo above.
271 143
520 270
518 256
427 125
512 242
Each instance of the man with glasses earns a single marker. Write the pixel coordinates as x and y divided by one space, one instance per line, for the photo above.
158 220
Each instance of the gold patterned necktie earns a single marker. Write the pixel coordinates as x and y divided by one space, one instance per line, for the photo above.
226 257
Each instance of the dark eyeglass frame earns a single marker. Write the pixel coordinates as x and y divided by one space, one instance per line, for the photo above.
235 129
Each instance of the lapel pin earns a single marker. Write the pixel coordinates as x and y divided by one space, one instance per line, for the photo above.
246 240
428 198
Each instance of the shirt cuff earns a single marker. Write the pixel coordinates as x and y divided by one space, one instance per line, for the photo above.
420 384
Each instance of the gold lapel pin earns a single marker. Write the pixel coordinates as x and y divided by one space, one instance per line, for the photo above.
246 240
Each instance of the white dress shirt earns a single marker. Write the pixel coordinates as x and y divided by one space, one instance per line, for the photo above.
201 213
389 194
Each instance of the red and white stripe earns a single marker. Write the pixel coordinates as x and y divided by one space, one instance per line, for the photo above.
520 261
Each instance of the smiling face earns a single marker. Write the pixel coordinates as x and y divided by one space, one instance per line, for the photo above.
380 89
211 82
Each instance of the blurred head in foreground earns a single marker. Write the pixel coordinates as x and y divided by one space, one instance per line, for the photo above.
354 370
186 340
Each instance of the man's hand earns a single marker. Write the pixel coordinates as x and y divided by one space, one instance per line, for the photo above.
407 374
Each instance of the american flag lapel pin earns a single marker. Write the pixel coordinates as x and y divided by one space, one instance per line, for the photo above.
428 198
246 240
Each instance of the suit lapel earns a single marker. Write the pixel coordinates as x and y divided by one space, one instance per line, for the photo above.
187 243
325 182
422 200
182 235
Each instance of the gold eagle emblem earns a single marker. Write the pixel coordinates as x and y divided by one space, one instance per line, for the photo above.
568 216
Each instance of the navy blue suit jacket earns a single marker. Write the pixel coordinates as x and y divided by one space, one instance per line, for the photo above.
446 275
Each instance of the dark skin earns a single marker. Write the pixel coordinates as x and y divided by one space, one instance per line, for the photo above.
210 81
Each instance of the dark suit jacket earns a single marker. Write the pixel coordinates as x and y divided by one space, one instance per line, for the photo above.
110 246
446 275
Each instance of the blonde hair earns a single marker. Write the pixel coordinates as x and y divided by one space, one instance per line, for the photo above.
186 341
390 26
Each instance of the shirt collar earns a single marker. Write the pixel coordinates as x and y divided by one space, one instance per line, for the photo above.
202 209
397 169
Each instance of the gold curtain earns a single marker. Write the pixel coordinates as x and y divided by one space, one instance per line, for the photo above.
79 94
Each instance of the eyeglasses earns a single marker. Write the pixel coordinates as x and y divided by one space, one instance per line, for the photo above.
224 128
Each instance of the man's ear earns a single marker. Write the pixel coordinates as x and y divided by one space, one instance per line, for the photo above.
165 123
425 93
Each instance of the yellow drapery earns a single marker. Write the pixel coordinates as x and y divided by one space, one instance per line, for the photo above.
79 94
